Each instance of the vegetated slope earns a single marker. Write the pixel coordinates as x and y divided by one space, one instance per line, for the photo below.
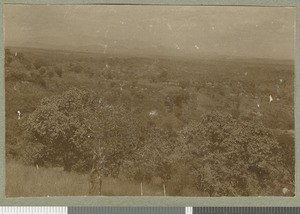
165 99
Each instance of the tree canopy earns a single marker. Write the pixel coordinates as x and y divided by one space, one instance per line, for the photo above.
230 157
78 123
223 155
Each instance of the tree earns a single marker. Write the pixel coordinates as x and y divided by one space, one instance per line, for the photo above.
150 157
77 124
115 133
140 165
139 168
59 124
230 157
163 160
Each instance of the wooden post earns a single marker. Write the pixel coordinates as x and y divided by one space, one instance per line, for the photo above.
164 188
141 188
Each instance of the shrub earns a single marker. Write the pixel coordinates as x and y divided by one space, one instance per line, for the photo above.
77 68
287 144
16 76
50 74
278 117
39 63
184 84
108 75
20 56
163 76
58 71
38 80
176 98
91 74
180 182
7 51
8 60
8 57
42 70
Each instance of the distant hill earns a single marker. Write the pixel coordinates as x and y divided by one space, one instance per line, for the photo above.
156 52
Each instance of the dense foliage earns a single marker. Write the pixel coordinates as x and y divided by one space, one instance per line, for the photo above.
231 157
197 135
59 125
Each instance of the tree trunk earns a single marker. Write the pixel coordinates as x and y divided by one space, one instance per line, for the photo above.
100 185
67 167
141 188
52 162
67 164
164 188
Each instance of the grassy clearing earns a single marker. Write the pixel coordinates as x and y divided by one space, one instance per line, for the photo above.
27 181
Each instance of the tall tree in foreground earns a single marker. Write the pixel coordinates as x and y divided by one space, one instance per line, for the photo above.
230 157
77 125
59 124
150 157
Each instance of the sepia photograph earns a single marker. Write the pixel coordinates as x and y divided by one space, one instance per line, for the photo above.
149 100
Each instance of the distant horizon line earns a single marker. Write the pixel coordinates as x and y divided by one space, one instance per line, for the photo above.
193 56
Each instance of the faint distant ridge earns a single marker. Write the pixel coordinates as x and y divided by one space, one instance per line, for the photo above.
145 52
106 46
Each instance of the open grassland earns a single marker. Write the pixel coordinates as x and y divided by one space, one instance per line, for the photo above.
27 181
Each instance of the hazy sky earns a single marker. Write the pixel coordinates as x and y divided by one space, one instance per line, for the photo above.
259 32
